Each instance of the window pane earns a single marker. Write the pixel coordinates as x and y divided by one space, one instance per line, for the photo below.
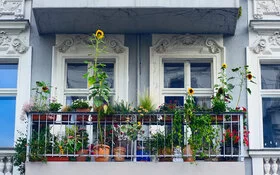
270 76
174 75
200 75
271 122
70 99
10 78
109 69
7 121
75 72
203 102
179 100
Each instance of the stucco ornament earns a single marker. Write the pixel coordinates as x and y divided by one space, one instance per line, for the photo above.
275 39
184 41
260 46
266 7
112 43
12 7
11 44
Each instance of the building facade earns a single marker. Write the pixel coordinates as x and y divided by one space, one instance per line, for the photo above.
47 40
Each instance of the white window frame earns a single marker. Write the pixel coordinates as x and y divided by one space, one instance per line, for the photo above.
175 51
199 92
80 51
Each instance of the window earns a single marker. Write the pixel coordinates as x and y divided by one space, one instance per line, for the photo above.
8 86
76 85
179 76
270 84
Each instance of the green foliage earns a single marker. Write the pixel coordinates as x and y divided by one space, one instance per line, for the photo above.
160 141
202 134
146 102
177 129
20 155
122 107
239 12
132 129
79 104
42 93
242 74
54 106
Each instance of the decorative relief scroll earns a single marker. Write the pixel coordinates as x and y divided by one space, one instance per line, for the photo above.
163 44
12 7
113 44
11 44
266 7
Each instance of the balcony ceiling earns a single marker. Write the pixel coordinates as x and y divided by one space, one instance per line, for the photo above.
51 20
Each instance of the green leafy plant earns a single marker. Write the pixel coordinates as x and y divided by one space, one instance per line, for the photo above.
177 129
160 142
20 155
146 103
243 73
97 78
40 100
80 104
54 106
222 97
132 129
122 107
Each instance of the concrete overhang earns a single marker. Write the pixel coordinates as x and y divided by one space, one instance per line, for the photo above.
128 16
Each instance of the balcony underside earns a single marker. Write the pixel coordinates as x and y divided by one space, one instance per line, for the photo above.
140 168
114 20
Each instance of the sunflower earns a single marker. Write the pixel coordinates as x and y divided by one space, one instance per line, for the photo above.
221 91
249 76
45 89
190 91
99 34
224 66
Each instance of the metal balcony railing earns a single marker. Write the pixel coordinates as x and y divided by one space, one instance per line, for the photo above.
78 136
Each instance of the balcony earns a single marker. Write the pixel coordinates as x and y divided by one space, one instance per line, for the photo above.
6 161
136 16
142 143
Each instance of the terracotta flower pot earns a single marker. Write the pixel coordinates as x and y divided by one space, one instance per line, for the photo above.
167 152
57 159
188 151
43 117
82 117
82 152
102 151
119 153
66 117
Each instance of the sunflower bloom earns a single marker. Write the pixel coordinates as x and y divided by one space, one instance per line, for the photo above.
190 91
249 76
45 89
224 66
99 34
139 123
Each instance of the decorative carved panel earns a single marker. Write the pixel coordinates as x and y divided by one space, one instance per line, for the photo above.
11 44
12 8
113 44
266 7
265 44
168 43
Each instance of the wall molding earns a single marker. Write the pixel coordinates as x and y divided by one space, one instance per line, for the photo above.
264 8
13 8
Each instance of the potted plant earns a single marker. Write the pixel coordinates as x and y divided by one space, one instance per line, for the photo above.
99 91
161 146
82 138
66 117
119 139
122 108
81 105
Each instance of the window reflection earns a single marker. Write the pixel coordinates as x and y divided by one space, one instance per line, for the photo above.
270 75
174 75
200 75
271 121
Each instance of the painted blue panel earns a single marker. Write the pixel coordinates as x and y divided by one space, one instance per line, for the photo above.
8 75
7 121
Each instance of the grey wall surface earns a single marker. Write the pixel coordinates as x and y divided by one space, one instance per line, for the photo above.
236 50
139 64
41 56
